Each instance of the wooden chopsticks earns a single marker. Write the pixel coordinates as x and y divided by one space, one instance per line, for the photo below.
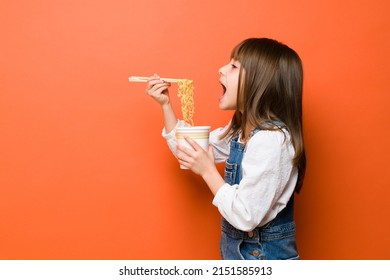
145 79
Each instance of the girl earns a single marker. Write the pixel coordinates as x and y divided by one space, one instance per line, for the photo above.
262 146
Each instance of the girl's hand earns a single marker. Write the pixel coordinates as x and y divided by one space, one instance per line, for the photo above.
158 89
198 160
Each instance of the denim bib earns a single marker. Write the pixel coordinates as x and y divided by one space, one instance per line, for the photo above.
275 240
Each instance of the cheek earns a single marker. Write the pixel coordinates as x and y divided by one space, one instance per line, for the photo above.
233 82
234 90
231 100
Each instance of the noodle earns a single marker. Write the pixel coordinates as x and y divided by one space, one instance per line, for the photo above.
186 94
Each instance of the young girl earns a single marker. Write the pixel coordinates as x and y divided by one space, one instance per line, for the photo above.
262 146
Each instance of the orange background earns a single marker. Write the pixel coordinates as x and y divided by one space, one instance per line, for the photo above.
84 172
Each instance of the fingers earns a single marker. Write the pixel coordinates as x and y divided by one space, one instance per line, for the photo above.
157 88
187 154
156 80
210 152
191 153
184 152
183 158
198 160
193 143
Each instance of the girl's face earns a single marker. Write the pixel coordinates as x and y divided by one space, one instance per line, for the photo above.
229 81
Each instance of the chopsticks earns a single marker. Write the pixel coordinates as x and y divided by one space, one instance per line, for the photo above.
145 79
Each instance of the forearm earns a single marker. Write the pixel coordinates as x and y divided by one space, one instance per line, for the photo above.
170 119
213 179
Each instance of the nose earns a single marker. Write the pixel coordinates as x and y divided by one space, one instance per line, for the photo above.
221 70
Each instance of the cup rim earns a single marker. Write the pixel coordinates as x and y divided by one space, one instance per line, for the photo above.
193 127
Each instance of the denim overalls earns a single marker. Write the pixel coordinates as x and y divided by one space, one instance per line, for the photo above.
273 241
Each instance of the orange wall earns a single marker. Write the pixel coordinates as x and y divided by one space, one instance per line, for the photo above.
84 173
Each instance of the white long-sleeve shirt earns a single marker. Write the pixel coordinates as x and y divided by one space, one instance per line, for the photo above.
268 177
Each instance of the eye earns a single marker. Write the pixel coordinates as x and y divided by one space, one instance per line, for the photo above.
233 65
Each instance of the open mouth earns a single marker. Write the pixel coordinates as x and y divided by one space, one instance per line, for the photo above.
223 90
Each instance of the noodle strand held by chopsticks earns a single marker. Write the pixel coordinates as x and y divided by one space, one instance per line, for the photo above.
186 94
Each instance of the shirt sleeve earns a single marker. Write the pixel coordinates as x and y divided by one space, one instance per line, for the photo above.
267 183
170 136
221 147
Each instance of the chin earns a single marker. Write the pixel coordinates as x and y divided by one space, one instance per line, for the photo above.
224 107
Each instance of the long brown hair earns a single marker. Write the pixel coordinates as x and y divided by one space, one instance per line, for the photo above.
270 91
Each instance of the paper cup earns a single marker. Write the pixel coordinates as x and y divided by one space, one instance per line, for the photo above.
200 134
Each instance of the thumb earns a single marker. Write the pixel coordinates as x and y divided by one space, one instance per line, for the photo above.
210 152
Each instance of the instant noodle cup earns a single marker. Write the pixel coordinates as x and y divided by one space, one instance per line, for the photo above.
200 134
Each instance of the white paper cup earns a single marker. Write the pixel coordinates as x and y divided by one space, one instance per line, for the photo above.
200 134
